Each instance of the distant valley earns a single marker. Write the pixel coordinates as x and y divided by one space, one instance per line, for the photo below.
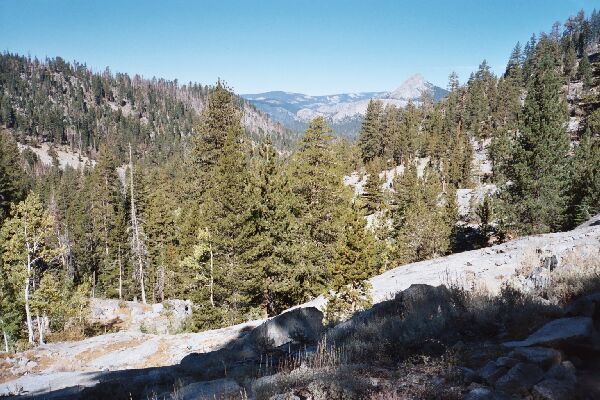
343 111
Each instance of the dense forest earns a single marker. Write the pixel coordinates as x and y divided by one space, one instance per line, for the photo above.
185 202
62 103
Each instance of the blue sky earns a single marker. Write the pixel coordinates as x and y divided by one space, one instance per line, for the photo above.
313 47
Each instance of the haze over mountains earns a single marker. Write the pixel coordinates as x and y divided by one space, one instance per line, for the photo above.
343 111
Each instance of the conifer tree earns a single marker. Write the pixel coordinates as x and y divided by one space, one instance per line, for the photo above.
27 244
423 217
219 116
316 182
370 139
536 198
585 187
584 71
109 222
139 249
13 182
570 58
226 212
351 266
160 217
277 236
372 197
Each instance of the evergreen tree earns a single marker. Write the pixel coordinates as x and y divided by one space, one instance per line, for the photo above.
536 198
277 234
351 266
585 189
27 245
13 182
218 118
370 139
570 58
226 212
423 217
372 197
316 182
584 71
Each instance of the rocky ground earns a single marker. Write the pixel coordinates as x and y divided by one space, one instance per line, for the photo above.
65 370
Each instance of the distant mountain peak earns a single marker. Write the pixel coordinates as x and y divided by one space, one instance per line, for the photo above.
411 89
344 111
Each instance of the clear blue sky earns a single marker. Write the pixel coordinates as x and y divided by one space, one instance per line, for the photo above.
314 47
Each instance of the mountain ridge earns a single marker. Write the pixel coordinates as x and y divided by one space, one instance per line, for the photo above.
344 111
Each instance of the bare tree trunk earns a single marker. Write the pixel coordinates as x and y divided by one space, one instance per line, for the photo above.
6 349
27 310
211 283
40 326
136 231
120 275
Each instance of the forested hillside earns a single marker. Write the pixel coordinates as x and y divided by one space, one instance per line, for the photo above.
187 201
63 103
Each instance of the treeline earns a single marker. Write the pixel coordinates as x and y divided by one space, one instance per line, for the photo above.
234 227
68 104
244 231
521 118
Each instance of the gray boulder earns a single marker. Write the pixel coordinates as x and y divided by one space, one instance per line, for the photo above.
520 378
418 300
507 362
572 331
491 371
541 356
301 325
217 389
424 300
484 393
284 396
553 389
558 384
241 357
563 372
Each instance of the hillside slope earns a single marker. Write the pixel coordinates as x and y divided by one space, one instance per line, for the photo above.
45 366
69 104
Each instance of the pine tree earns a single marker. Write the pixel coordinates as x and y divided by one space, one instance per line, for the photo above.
584 71
226 213
480 95
109 223
219 116
372 197
351 266
139 249
585 186
13 182
423 217
27 243
593 122
570 58
515 61
316 182
276 235
535 201
370 139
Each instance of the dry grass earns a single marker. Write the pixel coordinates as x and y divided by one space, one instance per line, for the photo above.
158 359
413 340
578 275
344 382
93 353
